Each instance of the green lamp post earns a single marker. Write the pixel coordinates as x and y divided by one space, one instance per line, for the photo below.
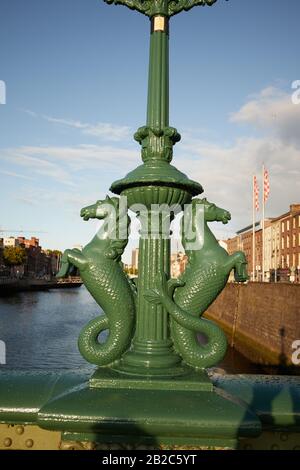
151 387
153 324
153 329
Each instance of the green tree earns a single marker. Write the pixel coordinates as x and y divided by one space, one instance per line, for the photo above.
14 255
54 252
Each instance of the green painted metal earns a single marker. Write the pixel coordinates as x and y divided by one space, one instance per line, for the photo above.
161 7
205 276
160 346
140 411
151 386
102 273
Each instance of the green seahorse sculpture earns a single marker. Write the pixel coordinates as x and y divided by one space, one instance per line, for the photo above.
102 274
206 274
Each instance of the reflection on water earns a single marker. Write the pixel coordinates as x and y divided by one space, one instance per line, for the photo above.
40 330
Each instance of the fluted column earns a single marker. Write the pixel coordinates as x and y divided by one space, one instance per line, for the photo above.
152 347
158 88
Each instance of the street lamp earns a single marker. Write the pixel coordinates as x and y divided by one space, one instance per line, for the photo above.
154 325
153 354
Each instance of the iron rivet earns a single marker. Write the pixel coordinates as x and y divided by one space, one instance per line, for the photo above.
29 443
7 442
275 447
19 430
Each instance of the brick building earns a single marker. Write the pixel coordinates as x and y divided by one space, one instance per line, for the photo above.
178 264
10 242
281 247
32 242
1 256
39 262
290 241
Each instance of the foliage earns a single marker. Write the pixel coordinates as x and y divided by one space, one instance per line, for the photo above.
54 252
14 256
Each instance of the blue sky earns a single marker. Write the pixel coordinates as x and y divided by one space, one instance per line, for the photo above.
76 77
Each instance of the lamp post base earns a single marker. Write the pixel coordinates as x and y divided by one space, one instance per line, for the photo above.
186 411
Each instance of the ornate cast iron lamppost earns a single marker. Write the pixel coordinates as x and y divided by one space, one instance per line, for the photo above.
151 387
153 325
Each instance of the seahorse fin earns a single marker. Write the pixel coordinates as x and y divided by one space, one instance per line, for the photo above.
64 271
173 284
153 296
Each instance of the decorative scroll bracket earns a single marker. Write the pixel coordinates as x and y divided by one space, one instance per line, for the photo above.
161 7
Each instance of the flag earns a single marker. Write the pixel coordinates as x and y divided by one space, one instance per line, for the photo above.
256 193
266 185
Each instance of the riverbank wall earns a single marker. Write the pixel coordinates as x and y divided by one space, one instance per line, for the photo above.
12 286
262 321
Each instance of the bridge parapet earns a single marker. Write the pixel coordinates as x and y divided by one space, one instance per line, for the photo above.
63 410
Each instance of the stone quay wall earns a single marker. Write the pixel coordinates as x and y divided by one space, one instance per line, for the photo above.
261 320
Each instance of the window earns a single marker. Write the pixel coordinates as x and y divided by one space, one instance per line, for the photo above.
294 260
282 242
288 260
282 262
294 222
298 239
294 240
287 242
282 225
288 225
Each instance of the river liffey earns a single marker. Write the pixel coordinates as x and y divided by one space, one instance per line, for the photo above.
40 331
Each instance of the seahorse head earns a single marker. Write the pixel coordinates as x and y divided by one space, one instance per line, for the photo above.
213 213
120 224
193 225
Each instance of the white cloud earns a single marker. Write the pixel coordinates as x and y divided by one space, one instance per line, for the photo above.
103 130
15 175
226 174
62 163
38 166
226 170
70 201
30 113
272 110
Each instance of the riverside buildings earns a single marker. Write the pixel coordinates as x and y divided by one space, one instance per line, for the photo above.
39 263
281 247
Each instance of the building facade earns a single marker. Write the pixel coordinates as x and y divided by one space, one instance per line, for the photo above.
39 263
178 264
10 242
290 241
135 259
281 247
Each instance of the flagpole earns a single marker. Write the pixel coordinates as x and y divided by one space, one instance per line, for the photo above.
253 230
263 223
275 253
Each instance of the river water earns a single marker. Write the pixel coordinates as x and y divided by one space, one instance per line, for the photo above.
40 330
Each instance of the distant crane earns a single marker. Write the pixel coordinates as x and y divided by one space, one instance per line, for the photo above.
21 231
